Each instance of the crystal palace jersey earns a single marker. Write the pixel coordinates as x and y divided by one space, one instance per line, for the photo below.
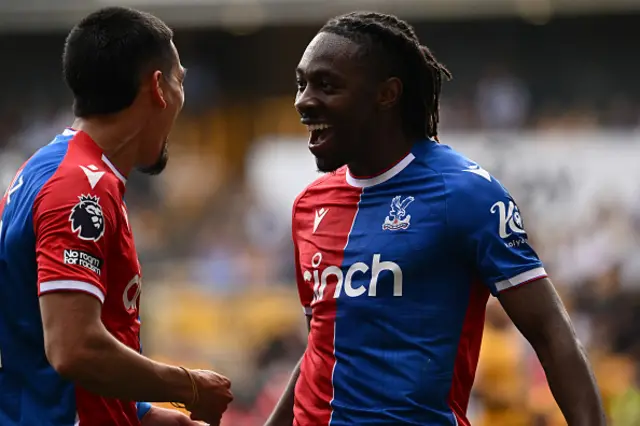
396 271
63 228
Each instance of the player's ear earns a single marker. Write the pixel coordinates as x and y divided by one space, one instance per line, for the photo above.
389 93
157 93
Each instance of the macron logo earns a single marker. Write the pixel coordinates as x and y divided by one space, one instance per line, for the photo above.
93 175
320 214
476 170
17 184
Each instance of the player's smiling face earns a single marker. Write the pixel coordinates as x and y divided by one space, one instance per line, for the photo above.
336 100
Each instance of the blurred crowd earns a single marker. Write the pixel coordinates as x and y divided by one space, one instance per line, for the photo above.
219 285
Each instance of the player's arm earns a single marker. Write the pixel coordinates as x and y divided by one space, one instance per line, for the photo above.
72 263
485 219
539 314
282 414
80 348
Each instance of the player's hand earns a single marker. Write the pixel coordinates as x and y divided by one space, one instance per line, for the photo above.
214 396
163 417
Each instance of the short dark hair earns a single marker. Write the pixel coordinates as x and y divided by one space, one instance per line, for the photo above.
106 54
394 44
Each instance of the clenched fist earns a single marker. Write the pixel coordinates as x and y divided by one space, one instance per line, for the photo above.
214 396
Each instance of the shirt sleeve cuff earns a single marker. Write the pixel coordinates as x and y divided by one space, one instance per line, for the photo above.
522 278
69 285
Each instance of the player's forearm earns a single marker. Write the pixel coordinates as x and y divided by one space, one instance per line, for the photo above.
283 413
105 366
571 380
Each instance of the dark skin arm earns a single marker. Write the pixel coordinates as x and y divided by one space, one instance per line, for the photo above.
539 314
282 415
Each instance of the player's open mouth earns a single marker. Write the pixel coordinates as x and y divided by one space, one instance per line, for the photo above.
319 134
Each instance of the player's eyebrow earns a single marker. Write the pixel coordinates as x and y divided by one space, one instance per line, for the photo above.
318 72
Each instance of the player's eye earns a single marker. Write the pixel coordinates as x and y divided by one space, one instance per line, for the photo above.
300 85
326 86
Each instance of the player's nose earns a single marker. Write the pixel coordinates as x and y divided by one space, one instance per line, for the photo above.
306 102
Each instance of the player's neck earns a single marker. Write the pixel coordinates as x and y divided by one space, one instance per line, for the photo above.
385 151
117 140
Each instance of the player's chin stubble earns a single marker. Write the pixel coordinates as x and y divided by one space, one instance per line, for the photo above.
328 166
160 164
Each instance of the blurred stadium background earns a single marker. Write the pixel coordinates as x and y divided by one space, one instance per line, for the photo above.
545 96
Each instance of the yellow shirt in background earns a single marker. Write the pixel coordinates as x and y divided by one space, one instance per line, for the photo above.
501 379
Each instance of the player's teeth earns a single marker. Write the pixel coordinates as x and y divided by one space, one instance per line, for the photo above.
315 127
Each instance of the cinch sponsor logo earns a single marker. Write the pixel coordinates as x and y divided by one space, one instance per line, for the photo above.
344 284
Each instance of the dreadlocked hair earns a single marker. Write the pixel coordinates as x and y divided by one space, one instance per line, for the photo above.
401 55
